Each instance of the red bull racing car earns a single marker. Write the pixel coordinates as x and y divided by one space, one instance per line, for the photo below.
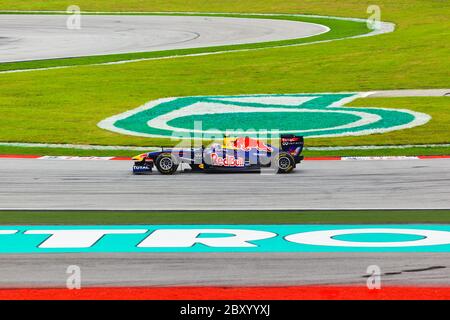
242 154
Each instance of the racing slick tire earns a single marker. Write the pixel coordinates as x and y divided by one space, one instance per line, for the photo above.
283 162
166 163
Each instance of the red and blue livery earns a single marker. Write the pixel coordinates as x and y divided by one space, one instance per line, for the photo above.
241 154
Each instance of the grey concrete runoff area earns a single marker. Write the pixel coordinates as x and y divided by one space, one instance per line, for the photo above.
223 269
110 185
27 37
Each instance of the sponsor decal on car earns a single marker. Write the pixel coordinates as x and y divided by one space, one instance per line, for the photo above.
247 144
228 161
225 238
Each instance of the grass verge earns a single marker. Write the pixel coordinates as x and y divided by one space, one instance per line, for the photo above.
222 217
417 151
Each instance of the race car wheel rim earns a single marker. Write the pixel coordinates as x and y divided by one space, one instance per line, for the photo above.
284 163
166 164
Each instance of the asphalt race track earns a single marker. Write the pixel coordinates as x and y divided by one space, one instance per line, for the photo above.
33 37
217 269
90 184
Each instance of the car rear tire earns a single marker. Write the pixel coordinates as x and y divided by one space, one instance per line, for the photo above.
166 163
284 162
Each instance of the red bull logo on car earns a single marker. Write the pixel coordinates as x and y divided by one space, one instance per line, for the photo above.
227 161
247 144
212 117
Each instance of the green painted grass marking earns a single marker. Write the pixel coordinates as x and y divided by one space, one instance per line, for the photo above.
310 115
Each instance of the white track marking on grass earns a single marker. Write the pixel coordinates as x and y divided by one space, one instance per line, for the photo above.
379 147
410 93
161 122
282 101
385 27
184 166
136 148
419 119
72 146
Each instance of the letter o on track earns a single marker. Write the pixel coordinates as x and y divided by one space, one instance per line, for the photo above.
325 238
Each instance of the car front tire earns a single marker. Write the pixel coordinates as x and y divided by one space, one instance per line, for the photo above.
166 163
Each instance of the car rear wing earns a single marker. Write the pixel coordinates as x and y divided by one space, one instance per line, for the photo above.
291 144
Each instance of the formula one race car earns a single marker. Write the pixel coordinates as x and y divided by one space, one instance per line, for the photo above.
236 155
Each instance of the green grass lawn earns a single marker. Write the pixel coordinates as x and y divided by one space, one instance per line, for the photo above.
351 7
64 106
222 217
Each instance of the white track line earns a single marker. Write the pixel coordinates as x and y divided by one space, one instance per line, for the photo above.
135 148
331 158
375 147
73 146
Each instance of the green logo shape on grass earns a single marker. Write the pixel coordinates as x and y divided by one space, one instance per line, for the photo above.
310 115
